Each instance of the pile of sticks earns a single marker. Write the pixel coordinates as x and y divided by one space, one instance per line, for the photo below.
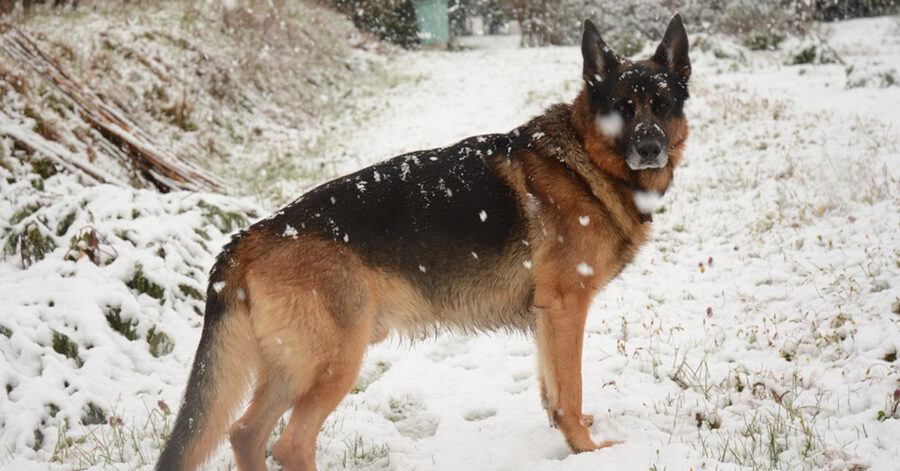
152 163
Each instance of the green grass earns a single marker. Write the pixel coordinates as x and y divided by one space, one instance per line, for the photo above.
357 453
116 441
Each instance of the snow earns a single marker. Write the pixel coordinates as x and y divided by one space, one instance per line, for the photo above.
289 231
648 202
584 269
754 330
610 124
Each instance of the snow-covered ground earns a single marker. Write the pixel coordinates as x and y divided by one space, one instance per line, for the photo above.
758 329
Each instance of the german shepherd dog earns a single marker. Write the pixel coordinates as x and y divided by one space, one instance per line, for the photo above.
503 231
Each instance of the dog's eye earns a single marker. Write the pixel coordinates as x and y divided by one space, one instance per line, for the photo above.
660 105
625 108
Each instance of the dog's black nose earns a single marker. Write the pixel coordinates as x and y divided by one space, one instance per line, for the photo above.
648 149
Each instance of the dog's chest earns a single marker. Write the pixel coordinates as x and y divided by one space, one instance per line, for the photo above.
590 243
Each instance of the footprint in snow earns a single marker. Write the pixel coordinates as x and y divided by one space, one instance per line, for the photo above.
410 417
476 415
522 376
518 387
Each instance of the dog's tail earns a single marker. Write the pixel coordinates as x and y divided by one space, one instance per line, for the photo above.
222 368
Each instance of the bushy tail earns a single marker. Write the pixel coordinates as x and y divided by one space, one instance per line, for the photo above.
219 377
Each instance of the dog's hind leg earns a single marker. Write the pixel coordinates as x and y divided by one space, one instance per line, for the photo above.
249 434
296 449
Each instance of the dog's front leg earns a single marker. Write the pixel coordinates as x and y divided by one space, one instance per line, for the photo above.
559 332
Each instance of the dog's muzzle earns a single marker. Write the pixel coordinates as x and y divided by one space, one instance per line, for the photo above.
648 149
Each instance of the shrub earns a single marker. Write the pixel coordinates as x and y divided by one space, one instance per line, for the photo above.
390 20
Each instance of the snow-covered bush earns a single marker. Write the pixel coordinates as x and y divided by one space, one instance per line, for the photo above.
391 20
810 50
875 75
103 290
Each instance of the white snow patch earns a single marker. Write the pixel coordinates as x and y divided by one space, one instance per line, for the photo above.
610 124
219 286
584 220
584 269
289 231
648 202
483 215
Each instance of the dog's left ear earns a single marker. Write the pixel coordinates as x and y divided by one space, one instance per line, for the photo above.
672 52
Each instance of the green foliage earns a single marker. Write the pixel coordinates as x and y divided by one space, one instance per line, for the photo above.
805 56
762 40
226 221
190 291
390 20
63 345
38 440
23 213
124 327
65 223
93 415
831 10
141 284
814 52
160 343
30 243
44 168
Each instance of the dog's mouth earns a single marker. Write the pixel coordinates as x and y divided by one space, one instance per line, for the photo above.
637 161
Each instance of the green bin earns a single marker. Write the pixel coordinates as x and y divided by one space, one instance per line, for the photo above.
431 22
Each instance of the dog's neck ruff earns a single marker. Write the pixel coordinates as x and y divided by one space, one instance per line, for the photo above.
553 134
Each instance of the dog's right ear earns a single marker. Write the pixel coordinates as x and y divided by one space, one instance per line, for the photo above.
599 59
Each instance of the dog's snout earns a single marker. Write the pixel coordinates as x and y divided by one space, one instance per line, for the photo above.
648 149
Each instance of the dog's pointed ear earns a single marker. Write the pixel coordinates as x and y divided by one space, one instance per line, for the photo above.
599 59
672 52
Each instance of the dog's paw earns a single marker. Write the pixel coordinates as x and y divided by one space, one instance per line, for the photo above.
608 444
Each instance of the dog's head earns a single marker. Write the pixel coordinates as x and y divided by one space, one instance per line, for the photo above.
635 109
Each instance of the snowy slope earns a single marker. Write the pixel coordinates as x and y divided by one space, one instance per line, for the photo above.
758 329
